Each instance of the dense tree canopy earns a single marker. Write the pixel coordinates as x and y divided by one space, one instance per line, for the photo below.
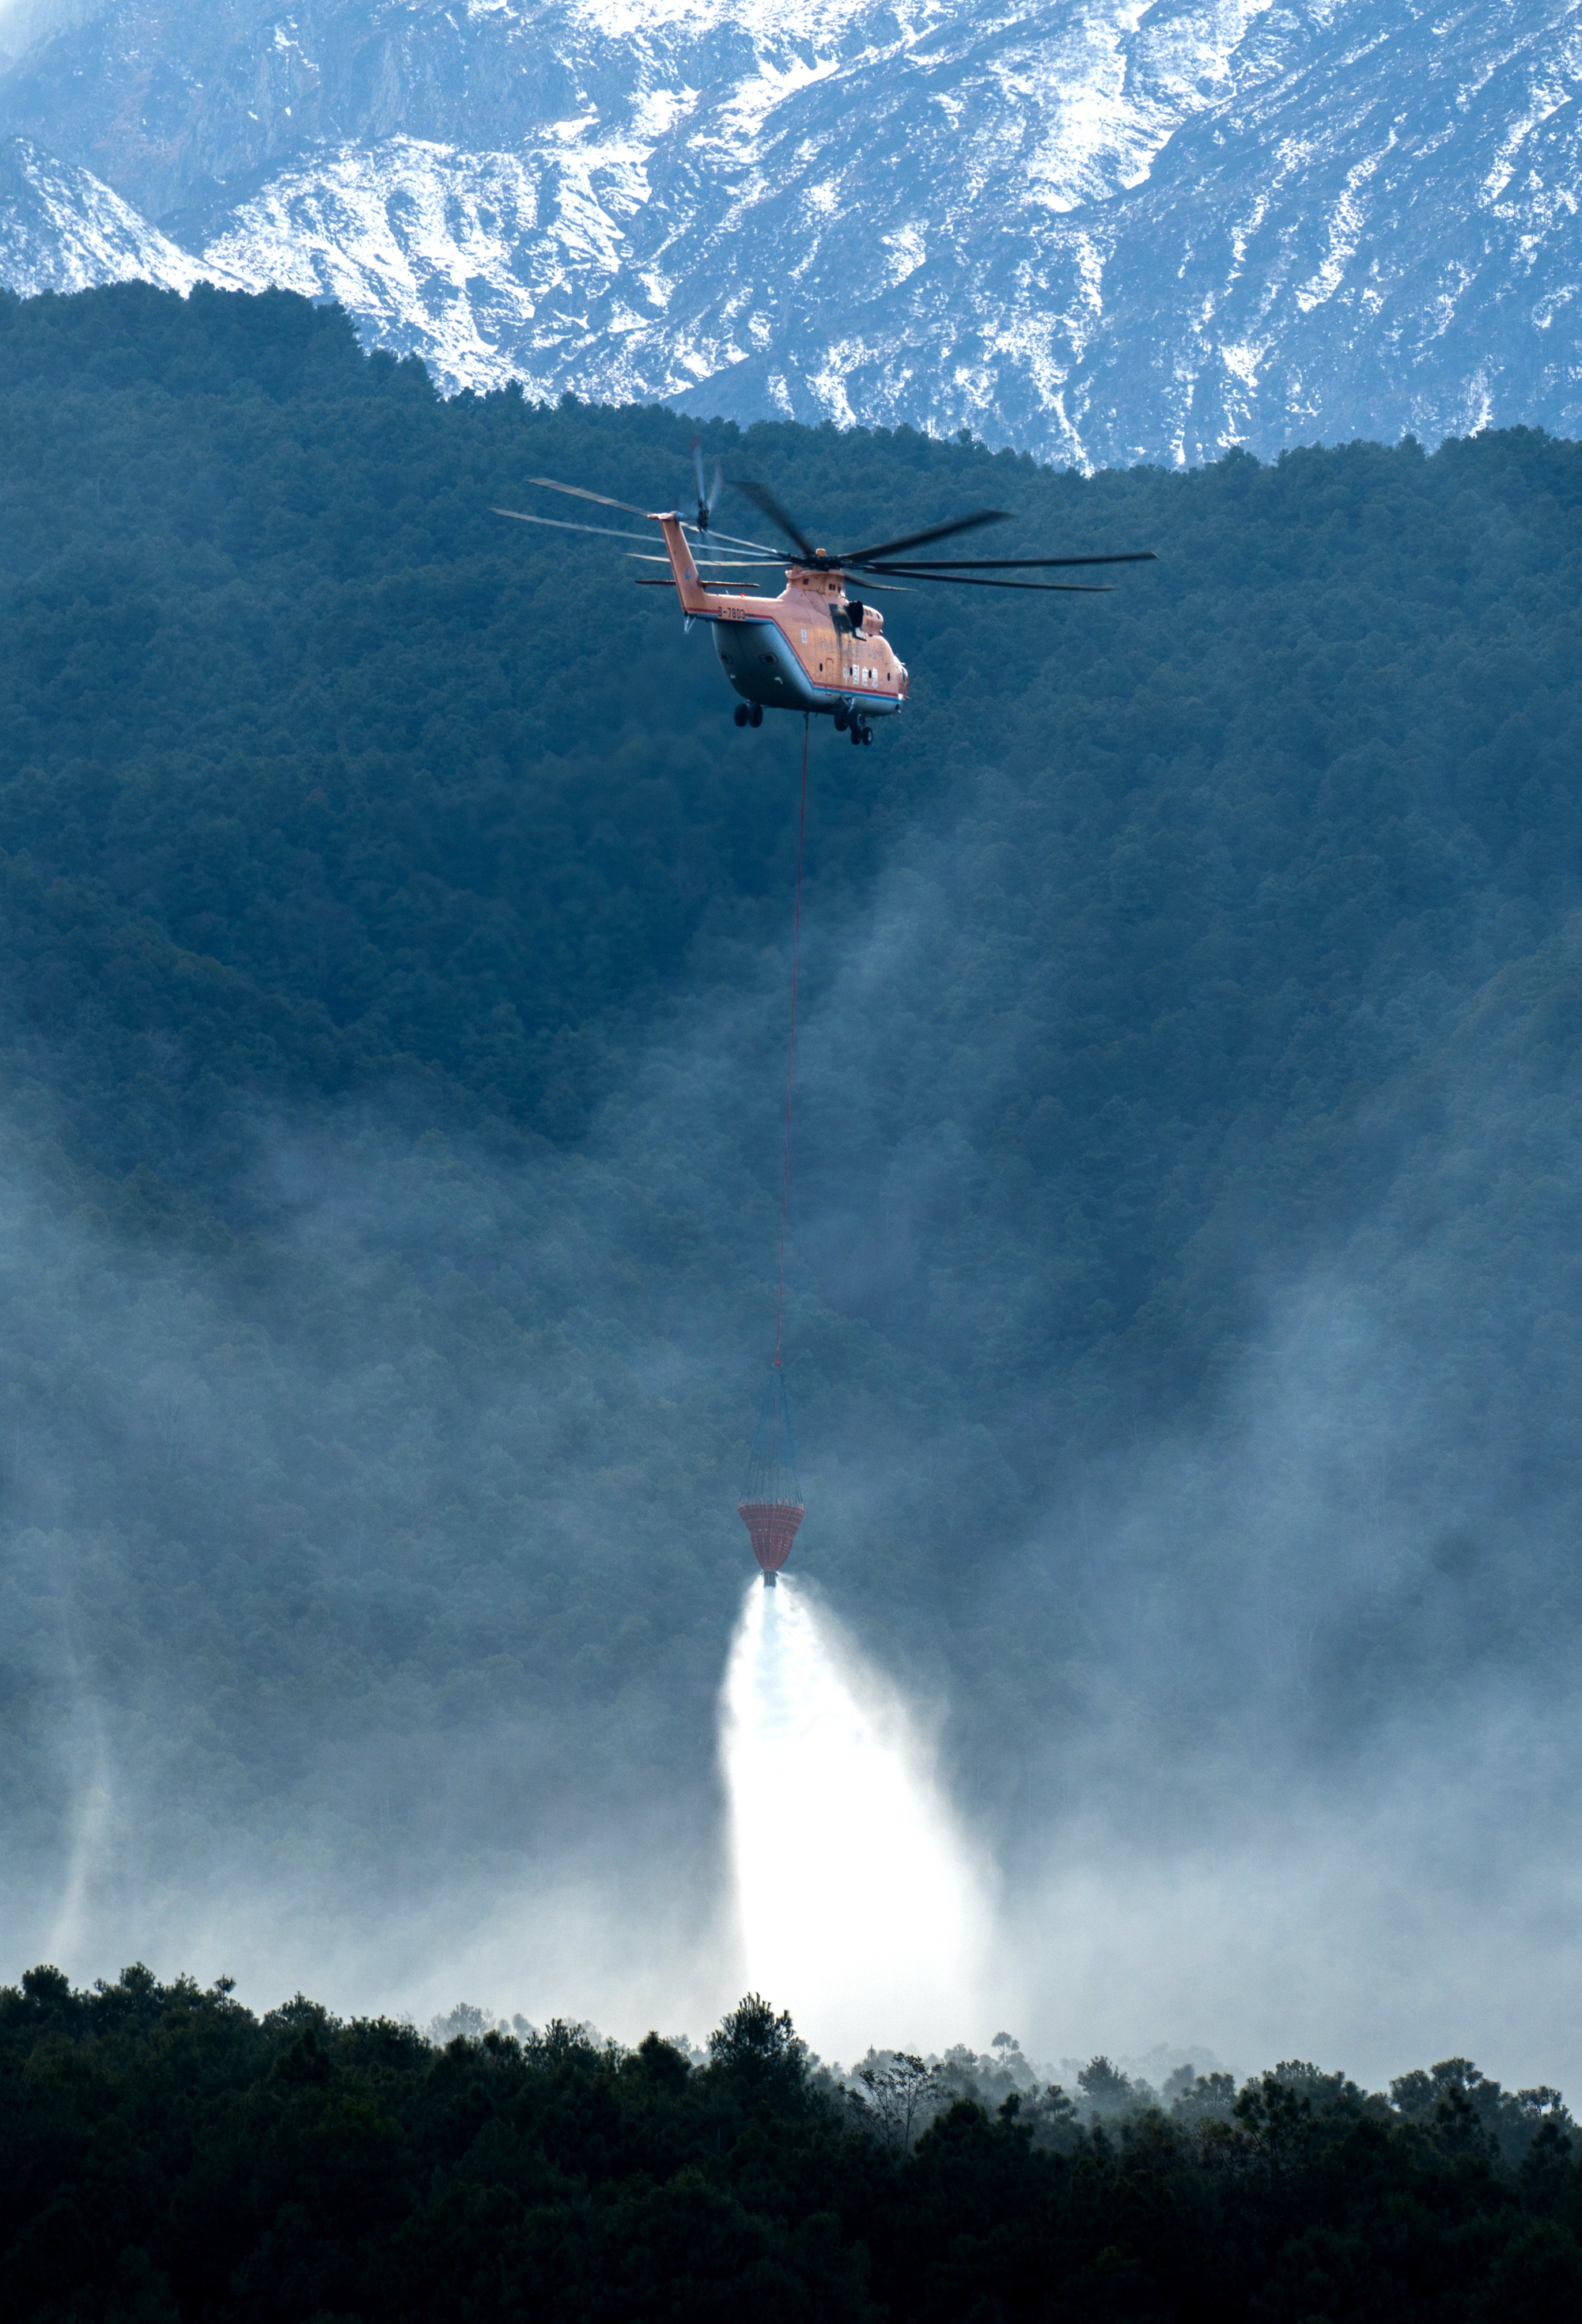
169 2155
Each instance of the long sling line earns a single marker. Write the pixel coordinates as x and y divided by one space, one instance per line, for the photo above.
791 1046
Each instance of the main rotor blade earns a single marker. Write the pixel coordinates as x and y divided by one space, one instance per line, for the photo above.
560 525
578 494
917 539
743 564
764 501
729 540
970 581
1012 564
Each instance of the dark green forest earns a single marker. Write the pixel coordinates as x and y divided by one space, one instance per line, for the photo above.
168 2155
1183 1319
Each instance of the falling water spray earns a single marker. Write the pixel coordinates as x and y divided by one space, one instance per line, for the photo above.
862 1907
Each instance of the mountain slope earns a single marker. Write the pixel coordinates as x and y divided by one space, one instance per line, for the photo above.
62 230
1099 233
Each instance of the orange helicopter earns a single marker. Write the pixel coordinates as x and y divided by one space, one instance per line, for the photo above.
817 647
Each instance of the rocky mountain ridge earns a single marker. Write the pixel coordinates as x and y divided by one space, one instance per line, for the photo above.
1096 230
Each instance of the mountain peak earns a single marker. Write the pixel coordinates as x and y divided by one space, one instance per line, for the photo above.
1101 233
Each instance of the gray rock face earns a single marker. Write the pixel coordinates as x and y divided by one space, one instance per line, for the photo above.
1096 230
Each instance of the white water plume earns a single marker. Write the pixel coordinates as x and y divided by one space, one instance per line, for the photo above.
862 1907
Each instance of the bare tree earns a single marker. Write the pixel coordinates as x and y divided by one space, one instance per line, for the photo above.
901 2093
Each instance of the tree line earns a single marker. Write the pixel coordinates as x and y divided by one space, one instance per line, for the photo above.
172 2158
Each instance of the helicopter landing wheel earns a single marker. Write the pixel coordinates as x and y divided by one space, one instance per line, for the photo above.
868 734
858 733
842 722
742 714
755 716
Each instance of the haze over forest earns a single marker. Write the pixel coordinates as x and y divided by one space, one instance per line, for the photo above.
1182 1316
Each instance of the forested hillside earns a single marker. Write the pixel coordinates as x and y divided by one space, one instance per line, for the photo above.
171 2156
1183 1322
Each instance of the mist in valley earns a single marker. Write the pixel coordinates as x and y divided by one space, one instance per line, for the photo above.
353 1582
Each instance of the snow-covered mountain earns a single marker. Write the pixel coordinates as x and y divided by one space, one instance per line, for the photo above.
62 229
1096 229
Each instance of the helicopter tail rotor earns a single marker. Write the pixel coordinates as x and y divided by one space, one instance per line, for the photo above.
707 495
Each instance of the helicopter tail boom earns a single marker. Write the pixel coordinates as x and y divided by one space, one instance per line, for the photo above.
695 597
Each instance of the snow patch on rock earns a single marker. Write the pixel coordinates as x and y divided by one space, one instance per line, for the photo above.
62 229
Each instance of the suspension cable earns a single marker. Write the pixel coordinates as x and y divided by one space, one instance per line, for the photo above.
791 1045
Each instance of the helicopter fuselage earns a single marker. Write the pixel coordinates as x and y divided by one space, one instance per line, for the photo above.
813 648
